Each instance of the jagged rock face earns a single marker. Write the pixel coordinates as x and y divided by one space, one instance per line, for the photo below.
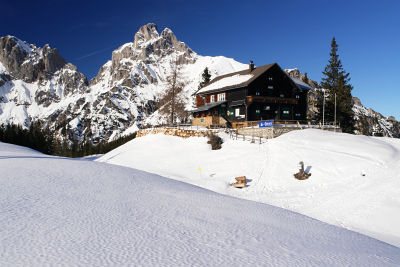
27 62
370 122
37 84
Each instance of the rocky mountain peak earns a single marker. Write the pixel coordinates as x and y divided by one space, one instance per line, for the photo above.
52 59
27 62
146 33
168 35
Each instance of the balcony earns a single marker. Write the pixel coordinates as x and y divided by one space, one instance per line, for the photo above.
268 99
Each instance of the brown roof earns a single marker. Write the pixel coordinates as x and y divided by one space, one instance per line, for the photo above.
256 72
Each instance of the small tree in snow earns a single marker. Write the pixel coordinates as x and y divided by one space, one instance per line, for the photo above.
172 101
206 77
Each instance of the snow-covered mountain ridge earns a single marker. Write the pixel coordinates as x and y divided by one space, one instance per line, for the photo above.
38 84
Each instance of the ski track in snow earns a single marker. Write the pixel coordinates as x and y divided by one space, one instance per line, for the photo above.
72 212
336 192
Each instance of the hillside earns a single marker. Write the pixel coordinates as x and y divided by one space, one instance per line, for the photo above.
83 213
355 180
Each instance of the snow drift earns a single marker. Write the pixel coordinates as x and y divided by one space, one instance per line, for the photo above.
56 211
355 180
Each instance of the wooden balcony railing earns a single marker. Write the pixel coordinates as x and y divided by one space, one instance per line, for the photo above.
268 99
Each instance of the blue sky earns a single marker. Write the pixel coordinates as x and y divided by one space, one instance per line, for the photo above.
292 33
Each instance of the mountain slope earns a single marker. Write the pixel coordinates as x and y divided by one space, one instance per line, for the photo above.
355 180
83 213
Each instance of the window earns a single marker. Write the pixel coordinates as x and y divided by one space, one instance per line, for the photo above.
212 98
237 112
297 114
267 108
221 97
270 87
286 112
269 78
297 96
257 93
257 111
282 95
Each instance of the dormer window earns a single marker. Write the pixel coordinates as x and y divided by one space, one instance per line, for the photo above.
212 98
297 96
221 97
257 93
269 78
267 108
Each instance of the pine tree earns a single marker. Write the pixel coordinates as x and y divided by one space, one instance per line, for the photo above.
336 81
171 102
305 78
206 77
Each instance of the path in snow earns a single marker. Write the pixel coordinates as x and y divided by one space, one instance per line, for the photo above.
336 193
66 212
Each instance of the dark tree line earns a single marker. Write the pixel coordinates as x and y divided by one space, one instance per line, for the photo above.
43 140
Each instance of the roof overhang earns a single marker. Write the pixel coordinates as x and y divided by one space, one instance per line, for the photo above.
208 106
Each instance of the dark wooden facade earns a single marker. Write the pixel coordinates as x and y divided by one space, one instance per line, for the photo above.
270 95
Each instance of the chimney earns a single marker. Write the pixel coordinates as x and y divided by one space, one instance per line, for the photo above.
251 66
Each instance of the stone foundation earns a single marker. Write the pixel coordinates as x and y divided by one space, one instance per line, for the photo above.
176 132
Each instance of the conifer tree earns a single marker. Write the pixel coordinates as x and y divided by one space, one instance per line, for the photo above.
305 78
336 80
206 77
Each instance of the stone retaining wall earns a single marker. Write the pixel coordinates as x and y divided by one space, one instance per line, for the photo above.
176 132
257 132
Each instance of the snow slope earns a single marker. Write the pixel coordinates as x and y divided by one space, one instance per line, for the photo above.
56 211
336 193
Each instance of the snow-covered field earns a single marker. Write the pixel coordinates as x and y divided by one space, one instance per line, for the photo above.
65 212
355 180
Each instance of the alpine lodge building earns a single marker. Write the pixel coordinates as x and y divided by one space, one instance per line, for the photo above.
255 94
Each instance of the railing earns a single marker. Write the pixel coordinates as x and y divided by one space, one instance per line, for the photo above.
268 99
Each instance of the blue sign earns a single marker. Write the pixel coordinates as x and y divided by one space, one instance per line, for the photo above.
265 123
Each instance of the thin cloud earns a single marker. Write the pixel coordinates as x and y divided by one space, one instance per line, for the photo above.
95 53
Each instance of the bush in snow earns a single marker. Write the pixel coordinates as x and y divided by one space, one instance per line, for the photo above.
215 141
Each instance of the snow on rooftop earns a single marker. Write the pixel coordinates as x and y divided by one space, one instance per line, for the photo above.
228 81
301 83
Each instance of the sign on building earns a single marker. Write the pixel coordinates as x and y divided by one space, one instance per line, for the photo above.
265 124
